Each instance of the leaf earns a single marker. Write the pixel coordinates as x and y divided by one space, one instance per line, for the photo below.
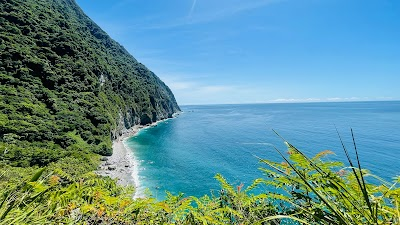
37 175
323 153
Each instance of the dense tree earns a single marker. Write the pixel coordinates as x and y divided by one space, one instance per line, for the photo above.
60 73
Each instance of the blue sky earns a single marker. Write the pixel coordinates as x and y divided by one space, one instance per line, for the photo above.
256 51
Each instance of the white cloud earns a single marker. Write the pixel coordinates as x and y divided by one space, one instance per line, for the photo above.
212 89
332 99
190 89
211 11
176 85
192 9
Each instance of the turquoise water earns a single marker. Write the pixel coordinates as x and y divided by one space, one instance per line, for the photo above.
185 153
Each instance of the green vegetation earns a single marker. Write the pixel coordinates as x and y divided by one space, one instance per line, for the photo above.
299 189
67 90
66 86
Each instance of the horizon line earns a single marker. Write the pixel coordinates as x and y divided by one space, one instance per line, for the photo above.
288 102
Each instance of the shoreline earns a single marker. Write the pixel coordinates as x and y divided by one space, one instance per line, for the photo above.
122 164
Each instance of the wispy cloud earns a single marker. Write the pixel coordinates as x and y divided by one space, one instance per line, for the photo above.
333 99
212 12
297 100
212 89
197 87
179 85
192 8
231 8
197 93
189 89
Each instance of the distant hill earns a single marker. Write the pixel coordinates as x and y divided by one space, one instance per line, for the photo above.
66 85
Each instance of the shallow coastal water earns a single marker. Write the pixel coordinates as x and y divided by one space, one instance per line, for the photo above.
185 153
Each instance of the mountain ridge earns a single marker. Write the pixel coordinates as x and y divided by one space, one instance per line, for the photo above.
64 80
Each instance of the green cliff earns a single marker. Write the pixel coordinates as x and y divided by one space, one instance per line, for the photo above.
66 86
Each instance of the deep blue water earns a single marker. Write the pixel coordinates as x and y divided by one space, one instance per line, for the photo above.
185 153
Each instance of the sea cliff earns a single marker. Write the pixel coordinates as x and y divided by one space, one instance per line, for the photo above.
65 81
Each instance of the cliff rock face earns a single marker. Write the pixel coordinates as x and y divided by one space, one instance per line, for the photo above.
61 74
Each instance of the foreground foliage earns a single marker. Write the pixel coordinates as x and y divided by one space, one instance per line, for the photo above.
325 192
298 190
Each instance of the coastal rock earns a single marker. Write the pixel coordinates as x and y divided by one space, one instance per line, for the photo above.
112 167
145 119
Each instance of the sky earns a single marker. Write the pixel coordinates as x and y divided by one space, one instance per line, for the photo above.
261 51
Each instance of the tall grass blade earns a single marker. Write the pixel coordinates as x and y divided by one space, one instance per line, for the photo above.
323 173
333 208
364 189
359 181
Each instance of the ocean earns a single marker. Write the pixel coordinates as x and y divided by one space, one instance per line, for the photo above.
185 153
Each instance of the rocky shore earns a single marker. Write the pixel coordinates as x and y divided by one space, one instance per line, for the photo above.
121 165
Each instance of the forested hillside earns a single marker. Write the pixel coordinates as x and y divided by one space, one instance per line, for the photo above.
66 86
